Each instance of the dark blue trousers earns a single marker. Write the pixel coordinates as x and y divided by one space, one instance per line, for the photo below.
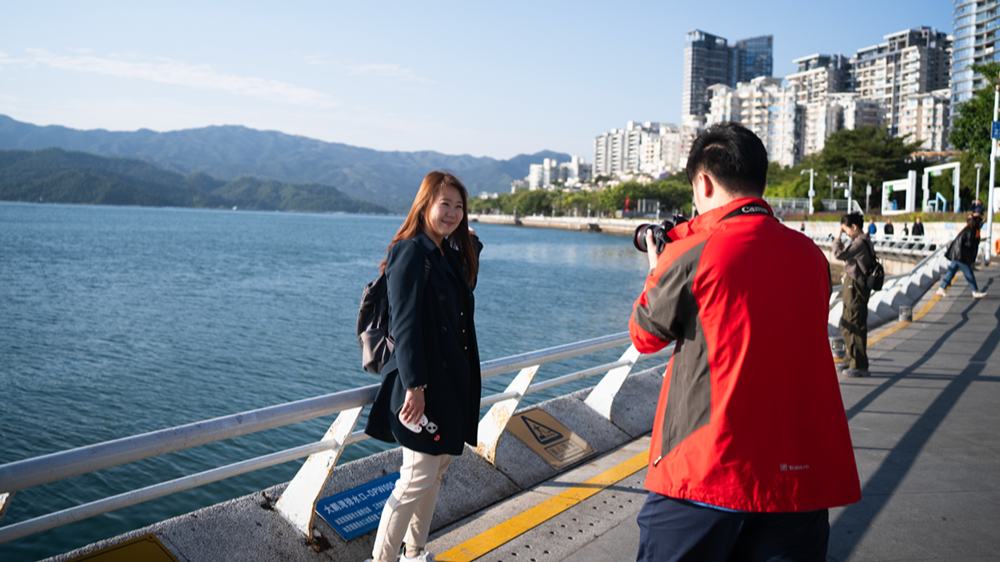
676 530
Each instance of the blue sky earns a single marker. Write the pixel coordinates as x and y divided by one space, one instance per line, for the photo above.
483 78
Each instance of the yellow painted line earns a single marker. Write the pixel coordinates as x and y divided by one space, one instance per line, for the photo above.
529 519
902 324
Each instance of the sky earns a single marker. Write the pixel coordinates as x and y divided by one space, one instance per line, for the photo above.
482 78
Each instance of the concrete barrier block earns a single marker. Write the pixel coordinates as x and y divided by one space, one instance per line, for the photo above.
635 404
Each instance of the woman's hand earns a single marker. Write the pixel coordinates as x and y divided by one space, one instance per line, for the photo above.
413 405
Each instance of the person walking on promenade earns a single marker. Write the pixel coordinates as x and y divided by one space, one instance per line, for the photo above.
859 258
888 229
872 229
750 444
962 252
431 271
918 227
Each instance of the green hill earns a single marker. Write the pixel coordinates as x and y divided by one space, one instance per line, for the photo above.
58 176
230 152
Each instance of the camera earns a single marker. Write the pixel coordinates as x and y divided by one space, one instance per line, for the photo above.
659 231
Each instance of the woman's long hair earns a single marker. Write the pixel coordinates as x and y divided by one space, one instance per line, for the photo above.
416 220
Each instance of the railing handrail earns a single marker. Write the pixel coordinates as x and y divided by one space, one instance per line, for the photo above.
60 465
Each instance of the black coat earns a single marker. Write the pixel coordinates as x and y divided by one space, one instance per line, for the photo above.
965 246
431 321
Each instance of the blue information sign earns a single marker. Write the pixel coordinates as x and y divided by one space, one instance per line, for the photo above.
996 130
354 512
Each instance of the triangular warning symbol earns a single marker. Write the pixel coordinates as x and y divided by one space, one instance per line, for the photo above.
543 433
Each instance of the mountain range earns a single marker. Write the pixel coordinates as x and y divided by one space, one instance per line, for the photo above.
386 178
56 176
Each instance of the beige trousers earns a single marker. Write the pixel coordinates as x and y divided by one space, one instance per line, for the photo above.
411 506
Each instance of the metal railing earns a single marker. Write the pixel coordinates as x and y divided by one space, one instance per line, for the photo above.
19 475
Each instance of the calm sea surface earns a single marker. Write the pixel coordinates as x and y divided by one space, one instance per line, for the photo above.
119 320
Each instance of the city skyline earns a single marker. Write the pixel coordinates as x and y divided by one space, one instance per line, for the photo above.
449 77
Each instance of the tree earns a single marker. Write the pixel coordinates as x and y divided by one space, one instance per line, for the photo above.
970 129
873 154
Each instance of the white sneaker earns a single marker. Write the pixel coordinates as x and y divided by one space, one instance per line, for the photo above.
424 556
941 292
978 294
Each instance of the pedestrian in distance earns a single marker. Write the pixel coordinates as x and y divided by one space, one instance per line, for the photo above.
962 252
750 444
888 229
918 227
872 229
859 259
977 208
906 230
429 398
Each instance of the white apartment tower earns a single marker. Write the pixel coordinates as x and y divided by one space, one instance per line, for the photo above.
638 148
909 62
765 107
925 117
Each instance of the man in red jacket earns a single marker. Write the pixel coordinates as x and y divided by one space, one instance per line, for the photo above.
750 443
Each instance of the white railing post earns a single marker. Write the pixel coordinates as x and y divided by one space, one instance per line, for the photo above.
603 394
297 503
5 498
492 425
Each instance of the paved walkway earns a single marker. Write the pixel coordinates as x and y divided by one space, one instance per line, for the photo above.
926 431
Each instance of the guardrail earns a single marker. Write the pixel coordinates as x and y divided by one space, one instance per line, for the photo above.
298 501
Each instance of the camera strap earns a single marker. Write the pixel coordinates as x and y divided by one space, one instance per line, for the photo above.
750 209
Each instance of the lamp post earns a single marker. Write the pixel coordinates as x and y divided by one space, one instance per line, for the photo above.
850 187
812 192
979 167
990 190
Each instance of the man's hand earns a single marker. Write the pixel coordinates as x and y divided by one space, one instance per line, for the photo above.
413 405
651 249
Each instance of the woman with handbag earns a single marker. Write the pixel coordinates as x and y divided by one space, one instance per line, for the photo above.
962 252
429 398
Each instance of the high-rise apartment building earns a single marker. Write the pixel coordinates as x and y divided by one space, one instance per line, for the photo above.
913 61
709 60
818 75
925 117
767 108
638 148
836 112
977 31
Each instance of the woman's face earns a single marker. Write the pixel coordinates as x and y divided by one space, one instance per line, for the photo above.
446 212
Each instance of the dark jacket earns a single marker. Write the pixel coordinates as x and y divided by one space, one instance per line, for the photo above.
918 229
431 322
750 415
965 246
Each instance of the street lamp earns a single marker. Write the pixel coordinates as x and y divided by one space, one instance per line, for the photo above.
979 166
812 192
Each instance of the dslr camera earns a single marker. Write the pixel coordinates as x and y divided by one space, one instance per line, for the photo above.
659 231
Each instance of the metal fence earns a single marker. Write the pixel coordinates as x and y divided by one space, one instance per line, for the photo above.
298 501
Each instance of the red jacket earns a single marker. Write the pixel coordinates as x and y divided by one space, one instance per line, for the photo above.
750 415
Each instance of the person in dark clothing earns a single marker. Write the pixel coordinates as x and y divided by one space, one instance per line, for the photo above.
888 229
918 227
977 208
962 252
859 258
429 397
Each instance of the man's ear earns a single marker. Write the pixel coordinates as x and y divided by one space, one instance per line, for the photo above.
708 185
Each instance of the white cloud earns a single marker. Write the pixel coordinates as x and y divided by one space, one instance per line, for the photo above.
178 73
389 71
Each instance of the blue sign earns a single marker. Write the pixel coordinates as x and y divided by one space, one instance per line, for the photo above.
996 130
354 512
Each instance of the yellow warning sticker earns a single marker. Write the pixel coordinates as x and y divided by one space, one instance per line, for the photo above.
146 548
548 438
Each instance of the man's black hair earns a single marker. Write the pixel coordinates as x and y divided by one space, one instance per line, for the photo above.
853 218
732 154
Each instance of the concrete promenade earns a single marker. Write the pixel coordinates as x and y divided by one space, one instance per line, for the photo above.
926 433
